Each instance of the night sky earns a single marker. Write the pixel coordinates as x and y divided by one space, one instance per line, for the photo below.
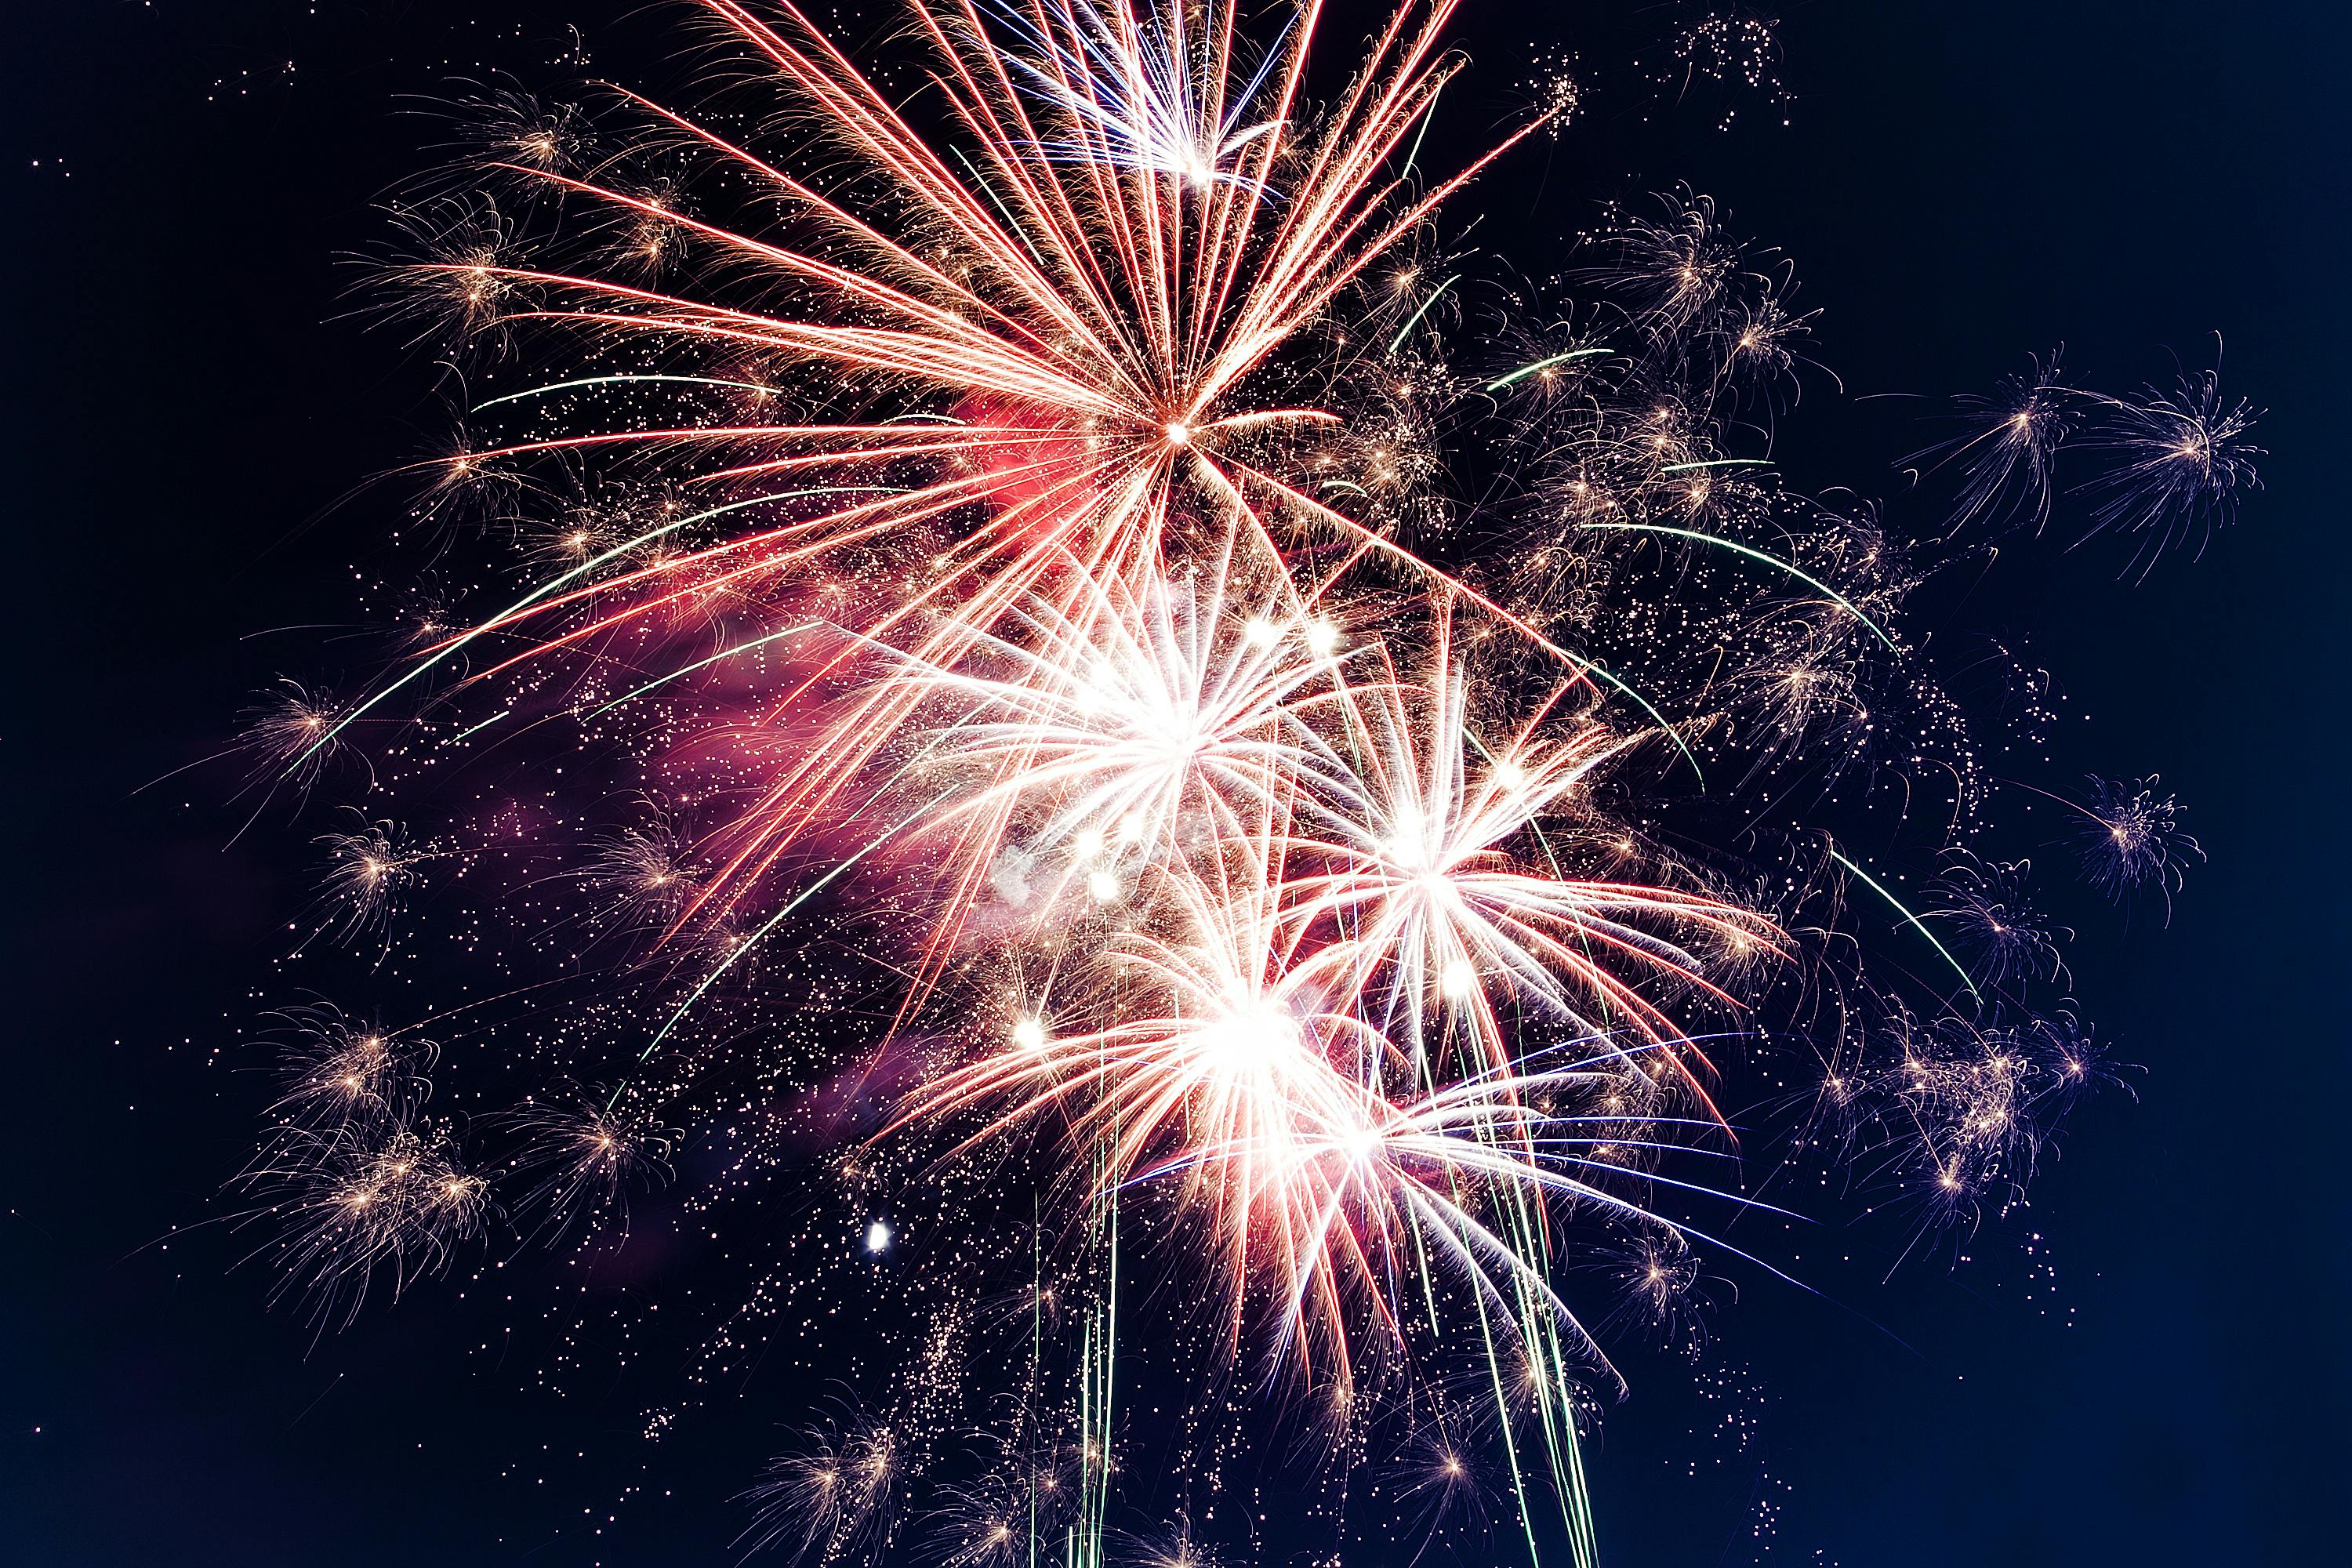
191 406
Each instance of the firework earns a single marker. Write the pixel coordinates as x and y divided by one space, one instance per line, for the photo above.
1724 46
2131 839
356 1188
1658 1279
335 1071
832 1499
582 1161
2009 448
1958 1112
1018 559
289 733
2177 461
1988 904
369 873
2182 460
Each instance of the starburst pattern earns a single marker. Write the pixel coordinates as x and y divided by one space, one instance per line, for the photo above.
1093 773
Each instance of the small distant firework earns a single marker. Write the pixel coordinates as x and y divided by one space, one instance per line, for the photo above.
335 1071
289 739
1732 48
1127 86
984 1525
578 1164
1674 270
1173 1547
832 1501
1007 713
1988 908
368 1202
355 1187
2178 460
2132 839
643 875
1659 1280
513 126
2007 454
290 734
1952 1114
1557 91
1440 1485
2182 459
369 873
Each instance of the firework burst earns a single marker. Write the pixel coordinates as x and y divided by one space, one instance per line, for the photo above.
1013 556
2177 461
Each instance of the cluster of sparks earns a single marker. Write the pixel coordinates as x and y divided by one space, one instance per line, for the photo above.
2175 459
362 1187
1034 564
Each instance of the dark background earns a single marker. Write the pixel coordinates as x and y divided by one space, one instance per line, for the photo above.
1960 185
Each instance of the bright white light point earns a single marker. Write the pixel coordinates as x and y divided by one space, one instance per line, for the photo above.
1459 979
878 1235
1130 828
1179 433
1089 844
1249 1034
1029 1033
1405 849
1104 887
1322 639
1511 776
1263 632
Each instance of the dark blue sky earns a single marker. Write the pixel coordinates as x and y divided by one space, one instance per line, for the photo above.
1961 186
